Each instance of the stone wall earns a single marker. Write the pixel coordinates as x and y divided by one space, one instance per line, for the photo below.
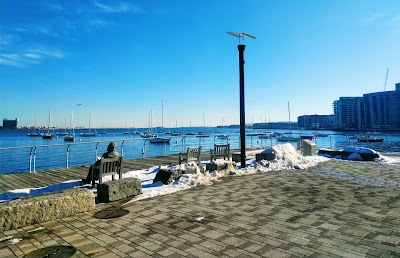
51 206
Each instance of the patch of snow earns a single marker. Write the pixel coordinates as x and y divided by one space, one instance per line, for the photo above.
287 157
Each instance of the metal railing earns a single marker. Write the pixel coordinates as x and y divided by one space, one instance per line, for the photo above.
35 150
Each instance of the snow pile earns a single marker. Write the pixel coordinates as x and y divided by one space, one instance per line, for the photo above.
286 158
360 150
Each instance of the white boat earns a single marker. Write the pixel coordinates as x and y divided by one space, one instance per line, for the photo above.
70 137
103 132
88 134
288 136
203 133
147 134
157 139
266 135
48 135
35 133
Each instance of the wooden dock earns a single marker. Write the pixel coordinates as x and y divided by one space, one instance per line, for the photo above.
54 176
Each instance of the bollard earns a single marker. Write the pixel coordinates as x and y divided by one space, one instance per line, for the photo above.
67 155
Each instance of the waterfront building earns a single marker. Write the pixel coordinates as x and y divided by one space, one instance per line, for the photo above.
10 124
316 121
382 110
275 125
347 112
371 112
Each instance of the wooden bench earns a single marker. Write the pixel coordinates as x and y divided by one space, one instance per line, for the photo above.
220 151
192 154
109 166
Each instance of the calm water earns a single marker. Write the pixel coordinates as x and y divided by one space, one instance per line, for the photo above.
17 149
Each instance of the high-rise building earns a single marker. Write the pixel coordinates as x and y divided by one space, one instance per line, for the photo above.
382 110
348 112
316 121
373 111
10 124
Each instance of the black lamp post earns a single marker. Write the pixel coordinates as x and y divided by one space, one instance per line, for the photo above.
241 48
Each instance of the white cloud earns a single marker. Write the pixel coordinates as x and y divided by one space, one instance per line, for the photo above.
33 56
99 24
397 18
120 8
372 18
56 53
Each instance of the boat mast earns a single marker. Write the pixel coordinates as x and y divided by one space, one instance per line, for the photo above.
162 115
290 126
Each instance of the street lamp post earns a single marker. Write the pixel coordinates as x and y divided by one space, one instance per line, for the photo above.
241 48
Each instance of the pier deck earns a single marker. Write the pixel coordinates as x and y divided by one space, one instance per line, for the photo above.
54 176
316 212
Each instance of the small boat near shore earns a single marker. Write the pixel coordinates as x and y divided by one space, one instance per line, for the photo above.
33 134
368 138
350 153
157 139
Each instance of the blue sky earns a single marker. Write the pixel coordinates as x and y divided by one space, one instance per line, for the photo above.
121 59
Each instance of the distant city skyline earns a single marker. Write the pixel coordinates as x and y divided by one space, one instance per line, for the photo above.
120 60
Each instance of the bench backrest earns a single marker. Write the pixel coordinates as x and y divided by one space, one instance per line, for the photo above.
193 154
221 150
110 166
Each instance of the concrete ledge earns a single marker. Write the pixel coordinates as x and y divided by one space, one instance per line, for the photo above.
119 189
236 154
32 210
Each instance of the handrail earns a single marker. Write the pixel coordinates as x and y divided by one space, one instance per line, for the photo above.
68 150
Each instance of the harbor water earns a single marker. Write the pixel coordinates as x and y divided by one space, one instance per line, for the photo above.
20 153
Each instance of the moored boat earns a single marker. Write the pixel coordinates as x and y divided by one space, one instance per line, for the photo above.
369 139
159 139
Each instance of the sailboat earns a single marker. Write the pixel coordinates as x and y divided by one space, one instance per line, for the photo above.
127 131
71 136
203 133
134 131
48 135
88 134
149 133
35 133
65 128
157 139
289 137
103 132
222 136
368 137
190 133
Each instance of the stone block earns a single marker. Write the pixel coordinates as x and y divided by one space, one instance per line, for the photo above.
26 211
236 156
167 176
119 189
309 148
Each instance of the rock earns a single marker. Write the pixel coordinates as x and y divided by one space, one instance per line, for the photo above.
119 189
221 165
167 176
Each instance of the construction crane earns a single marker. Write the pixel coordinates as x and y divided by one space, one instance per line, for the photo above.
387 73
